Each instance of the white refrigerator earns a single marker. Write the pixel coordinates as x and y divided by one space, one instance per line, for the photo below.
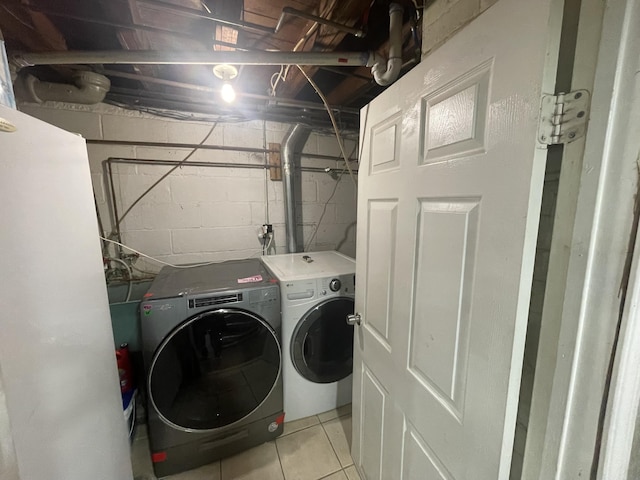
57 362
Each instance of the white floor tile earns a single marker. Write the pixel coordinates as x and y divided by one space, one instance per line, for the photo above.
352 473
336 476
300 424
339 433
207 472
259 463
307 455
336 412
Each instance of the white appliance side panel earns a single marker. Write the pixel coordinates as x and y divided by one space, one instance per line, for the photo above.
56 347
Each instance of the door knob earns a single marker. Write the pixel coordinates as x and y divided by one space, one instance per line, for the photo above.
354 319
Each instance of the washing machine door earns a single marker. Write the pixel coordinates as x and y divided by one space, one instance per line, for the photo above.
214 369
322 343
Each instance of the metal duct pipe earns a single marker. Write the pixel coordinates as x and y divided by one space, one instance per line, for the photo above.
154 57
394 63
292 144
323 21
90 88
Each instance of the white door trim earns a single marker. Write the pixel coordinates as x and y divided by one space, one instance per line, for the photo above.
624 398
578 336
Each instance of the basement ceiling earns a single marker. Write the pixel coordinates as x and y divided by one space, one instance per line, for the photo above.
270 92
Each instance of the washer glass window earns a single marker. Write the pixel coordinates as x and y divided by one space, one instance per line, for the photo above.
214 369
322 343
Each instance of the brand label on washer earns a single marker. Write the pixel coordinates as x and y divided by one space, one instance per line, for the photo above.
254 279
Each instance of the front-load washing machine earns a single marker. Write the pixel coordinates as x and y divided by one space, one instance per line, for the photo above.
317 291
213 361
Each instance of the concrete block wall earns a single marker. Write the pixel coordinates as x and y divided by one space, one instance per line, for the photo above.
202 213
443 18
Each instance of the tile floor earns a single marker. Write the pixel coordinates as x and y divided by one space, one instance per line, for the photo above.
311 448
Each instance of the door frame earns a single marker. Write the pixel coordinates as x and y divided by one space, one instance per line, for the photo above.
591 244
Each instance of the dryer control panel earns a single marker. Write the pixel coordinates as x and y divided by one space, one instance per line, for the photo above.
340 284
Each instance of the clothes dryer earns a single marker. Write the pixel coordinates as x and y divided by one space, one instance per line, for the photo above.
213 361
317 293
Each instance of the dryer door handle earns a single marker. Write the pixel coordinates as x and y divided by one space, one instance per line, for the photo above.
354 319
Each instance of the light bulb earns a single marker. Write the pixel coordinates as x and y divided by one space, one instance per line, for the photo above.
227 93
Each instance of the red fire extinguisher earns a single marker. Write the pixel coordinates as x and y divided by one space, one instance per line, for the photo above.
125 370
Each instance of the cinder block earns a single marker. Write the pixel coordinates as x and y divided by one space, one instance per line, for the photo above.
276 213
133 220
131 187
151 242
311 213
346 212
214 239
239 136
245 189
309 191
226 214
98 187
118 127
345 193
193 190
171 216
100 153
311 145
275 190
193 132
277 127
162 153
86 124
275 136
331 233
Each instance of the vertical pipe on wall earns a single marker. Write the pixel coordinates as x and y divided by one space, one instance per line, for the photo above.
292 144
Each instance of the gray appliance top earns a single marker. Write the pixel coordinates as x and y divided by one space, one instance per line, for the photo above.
217 277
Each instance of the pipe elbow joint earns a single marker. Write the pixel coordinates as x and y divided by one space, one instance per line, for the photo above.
390 74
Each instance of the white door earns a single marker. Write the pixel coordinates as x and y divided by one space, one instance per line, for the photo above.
56 343
450 188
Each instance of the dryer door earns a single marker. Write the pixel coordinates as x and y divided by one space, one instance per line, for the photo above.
322 343
214 369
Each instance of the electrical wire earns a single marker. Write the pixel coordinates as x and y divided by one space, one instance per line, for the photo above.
333 122
161 261
324 210
129 273
155 184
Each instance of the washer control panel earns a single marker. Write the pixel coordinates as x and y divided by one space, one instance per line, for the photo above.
335 284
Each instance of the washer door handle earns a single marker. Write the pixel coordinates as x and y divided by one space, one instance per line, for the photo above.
354 319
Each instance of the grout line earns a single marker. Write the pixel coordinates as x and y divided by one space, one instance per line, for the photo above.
220 470
302 429
279 461
332 447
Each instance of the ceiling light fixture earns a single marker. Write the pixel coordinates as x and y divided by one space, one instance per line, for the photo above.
226 73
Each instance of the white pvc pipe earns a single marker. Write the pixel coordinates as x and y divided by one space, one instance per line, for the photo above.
154 57
383 74
394 63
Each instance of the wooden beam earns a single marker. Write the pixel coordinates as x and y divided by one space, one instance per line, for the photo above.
346 12
275 163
